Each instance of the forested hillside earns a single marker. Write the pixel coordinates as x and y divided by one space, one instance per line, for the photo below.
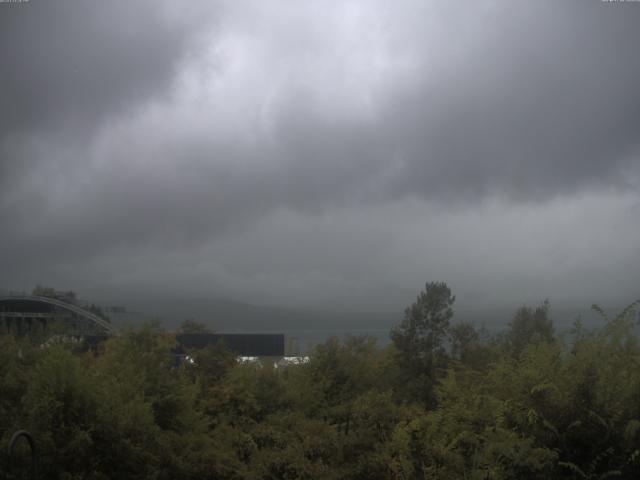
444 400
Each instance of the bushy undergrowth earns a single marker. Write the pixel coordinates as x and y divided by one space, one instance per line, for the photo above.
518 405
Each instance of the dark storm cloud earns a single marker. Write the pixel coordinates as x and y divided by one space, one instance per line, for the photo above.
80 60
136 130
67 66
544 102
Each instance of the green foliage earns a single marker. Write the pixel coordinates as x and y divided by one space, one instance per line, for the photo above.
531 407
470 346
530 326
419 340
190 325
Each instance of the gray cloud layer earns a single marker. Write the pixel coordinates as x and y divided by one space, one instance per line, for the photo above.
314 154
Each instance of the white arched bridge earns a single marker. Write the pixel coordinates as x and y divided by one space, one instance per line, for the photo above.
47 308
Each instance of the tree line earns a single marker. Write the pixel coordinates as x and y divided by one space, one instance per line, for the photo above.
443 400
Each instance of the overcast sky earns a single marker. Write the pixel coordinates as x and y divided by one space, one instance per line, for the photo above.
331 154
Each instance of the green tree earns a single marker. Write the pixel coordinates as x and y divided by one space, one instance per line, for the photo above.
530 326
419 339
191 325
470 346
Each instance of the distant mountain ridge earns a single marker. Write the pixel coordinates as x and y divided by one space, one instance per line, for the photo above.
225 315
229 315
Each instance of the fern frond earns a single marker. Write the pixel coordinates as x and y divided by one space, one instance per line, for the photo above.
600 420
574 468
599 458
610 473
574 424
598 309
627 310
